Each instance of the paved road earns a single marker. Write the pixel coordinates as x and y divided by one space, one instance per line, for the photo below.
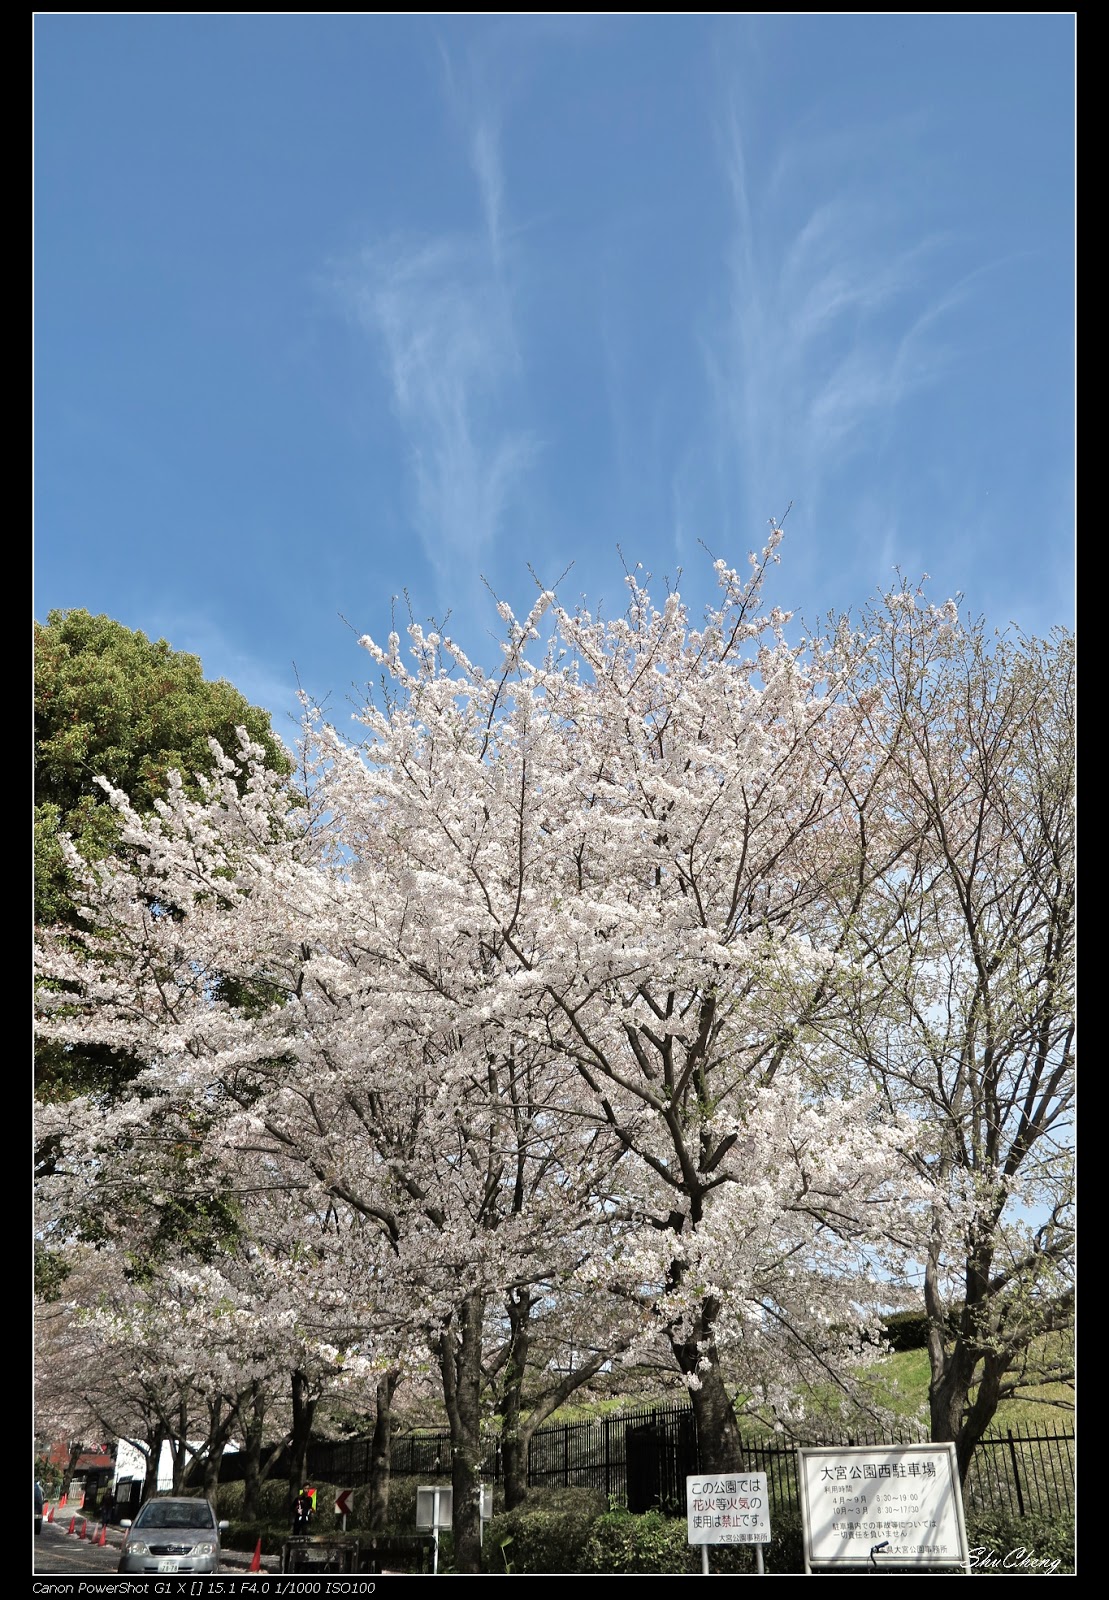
57 1551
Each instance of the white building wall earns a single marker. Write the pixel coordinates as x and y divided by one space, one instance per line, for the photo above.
131 1463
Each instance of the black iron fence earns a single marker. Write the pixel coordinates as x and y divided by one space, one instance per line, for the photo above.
641 1458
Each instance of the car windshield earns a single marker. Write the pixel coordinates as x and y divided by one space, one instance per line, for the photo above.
176 1514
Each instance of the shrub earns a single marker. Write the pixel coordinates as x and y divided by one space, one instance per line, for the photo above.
1021 1546
271 1525
546 1534
569 1530
651 1542
621 1541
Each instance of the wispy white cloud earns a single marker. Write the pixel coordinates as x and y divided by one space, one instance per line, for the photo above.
832 320
478 117
440 312
486 161
444 325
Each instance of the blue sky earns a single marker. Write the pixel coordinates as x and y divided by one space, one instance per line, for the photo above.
330 309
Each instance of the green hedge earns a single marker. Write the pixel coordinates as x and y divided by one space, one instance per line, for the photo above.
575 1539
574 1530
1012 1546
546 1534
908 1330
272 1526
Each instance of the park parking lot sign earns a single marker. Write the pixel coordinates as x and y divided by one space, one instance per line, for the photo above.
880 1506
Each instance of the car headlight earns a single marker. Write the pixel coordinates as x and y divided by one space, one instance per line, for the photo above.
204 1549
137 1547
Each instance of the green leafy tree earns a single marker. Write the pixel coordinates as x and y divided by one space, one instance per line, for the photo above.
110 703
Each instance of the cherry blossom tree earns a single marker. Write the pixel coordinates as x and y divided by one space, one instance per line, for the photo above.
967 1019
122 1355
647 836
524 992
421 1141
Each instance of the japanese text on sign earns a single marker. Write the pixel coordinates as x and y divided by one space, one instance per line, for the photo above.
728 1508
901 1501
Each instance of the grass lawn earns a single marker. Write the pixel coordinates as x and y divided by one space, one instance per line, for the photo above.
900 1384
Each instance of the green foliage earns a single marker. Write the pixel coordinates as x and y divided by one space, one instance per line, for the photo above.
245 1535
786 1550
900 1384
110 703
273 1499
547 1533
551 1537
907 1330
1021 1546
51 1270
549 1541
649 1542
272 1526
571 1530
621 1542
50 1475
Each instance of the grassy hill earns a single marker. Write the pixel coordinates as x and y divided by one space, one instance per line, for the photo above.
900 1384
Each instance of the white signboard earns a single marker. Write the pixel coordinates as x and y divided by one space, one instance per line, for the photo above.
434 1506
882 1505
728 1508
426 1503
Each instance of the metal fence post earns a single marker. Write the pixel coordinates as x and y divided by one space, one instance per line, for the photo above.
1016 1471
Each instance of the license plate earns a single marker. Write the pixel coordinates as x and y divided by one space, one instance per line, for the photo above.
168 1566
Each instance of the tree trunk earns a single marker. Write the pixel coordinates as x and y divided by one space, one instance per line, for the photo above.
153 1461
518 1427
953 1358
514 1470
381 1451
256 1470
304 1411
219 1433
514 1445
458 1348
212 1463
182 1461
697 1357
252 1454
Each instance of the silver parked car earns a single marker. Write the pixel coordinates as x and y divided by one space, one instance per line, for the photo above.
172 1535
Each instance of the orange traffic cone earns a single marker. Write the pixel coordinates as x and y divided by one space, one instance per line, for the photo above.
256 1558
103 1539
84 1529
72 1524
62 1501
50 1514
